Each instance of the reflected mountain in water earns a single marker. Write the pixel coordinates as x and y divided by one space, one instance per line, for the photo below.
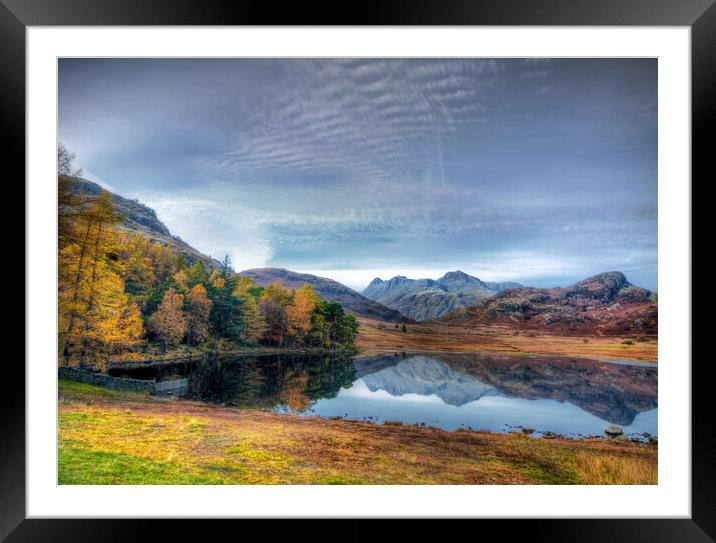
427 376
492 391
613 392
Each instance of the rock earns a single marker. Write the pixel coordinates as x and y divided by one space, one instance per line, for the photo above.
528 430
613 431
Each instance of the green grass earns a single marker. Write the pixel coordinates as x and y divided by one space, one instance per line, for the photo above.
79 466
72 390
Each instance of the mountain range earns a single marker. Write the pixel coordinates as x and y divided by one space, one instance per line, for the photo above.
424 299
605 304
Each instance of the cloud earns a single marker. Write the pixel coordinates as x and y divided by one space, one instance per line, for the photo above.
354 121
534 169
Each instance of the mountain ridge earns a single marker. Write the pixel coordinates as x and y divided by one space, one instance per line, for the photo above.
142 219
606 303
329 289
425 299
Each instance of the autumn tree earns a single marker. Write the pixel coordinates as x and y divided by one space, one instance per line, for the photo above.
181 278
198 311
66 162
216 280
91 296
245 287
299 311
163 261
139 274
70 205
168 322
273 303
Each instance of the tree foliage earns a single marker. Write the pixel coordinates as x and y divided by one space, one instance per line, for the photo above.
198 311
168 322
119 291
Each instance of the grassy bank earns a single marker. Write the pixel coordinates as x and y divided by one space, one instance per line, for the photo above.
111 437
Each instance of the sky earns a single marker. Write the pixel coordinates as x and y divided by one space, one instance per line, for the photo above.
542 171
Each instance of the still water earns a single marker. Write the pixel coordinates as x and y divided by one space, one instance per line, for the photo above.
501 393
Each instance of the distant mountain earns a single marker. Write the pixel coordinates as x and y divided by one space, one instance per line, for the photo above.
603 304
352 301
143 220
423 299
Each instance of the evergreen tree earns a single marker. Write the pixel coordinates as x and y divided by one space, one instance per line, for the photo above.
197 274
226 311
254 322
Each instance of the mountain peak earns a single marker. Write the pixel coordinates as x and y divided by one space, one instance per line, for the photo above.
459 276
606 286
608 279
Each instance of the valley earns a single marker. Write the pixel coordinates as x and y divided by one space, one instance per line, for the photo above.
375 336
295 378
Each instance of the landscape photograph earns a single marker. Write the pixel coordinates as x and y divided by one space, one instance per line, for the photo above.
357 271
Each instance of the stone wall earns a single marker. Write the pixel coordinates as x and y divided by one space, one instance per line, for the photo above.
101 379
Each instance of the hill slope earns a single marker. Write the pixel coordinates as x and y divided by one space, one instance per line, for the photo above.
605 304
143 220
331 290
423 299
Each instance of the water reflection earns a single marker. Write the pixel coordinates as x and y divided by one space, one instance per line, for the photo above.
565 395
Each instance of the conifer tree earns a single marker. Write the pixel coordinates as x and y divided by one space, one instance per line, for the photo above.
90 287
254 323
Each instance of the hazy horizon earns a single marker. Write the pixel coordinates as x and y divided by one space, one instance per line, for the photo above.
537 171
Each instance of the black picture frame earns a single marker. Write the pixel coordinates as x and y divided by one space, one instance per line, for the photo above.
699 15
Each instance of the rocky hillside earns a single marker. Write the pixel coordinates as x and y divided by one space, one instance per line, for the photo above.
423 299
352 301
143 220
605 304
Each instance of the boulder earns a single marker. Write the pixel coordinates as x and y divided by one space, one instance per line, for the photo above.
613 431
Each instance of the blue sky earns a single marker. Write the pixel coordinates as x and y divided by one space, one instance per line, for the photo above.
542 171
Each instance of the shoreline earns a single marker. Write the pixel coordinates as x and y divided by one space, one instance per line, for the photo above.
612 360
115 437
370 351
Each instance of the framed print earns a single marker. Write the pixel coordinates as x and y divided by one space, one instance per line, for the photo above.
434 262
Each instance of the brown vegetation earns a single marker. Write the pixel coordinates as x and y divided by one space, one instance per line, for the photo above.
376 336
